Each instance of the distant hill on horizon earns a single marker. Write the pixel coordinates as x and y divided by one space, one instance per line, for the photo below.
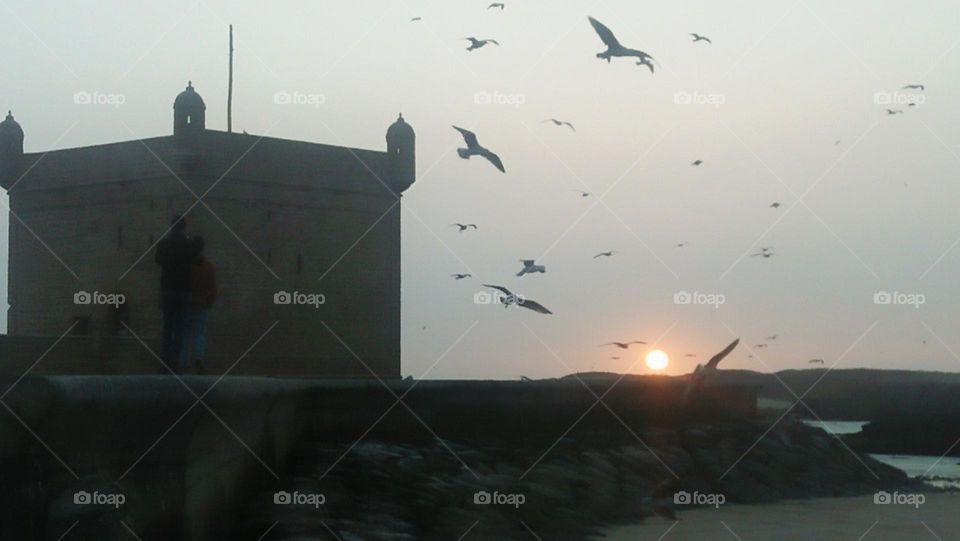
849 393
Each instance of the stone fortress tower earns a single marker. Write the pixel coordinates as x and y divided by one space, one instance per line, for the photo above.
305 238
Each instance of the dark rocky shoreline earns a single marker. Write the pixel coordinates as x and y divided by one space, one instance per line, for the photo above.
382 490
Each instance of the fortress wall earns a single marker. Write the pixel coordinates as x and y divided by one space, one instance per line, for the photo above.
309 238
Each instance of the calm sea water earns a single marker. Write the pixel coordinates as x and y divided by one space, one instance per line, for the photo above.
943 472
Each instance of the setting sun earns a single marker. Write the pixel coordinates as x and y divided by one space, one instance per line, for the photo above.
657 360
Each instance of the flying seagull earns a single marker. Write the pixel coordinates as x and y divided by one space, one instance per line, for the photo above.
530 267
697 163
478 43
764 253
464 227
510 299
474 149
760 346
681 244
415 19
690 355
921 88
560 123
816 361
582 193
496 5
615 49
775 205
698 37
711 365
623 345
773 337
606 254
894 111
459 276
701 372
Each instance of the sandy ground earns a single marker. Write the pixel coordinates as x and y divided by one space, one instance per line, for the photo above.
847 519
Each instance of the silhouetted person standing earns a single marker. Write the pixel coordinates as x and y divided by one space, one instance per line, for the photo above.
203 292
174 255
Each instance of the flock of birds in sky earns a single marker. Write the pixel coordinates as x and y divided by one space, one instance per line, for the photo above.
614 49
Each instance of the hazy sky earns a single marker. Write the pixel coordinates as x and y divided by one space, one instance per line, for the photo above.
781 83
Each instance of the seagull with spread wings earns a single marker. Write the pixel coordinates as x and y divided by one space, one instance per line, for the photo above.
464 227
474 149
496 5
459 276
701 372
698 37
530 266
921 88
510 299
611 253
623 345
614 49
478 43
560 123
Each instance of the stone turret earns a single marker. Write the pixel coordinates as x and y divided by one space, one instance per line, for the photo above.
11 151
189 113
401 146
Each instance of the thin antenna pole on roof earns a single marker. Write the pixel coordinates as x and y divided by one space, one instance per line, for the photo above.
230 87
